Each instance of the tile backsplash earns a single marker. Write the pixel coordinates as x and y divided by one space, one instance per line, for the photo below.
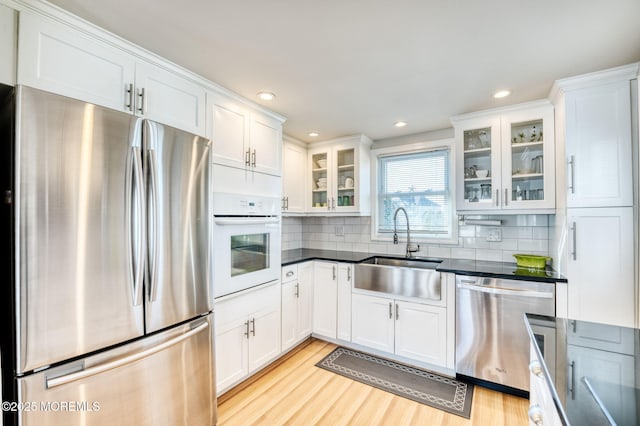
520 234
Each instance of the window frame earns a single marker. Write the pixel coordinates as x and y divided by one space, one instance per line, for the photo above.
414 148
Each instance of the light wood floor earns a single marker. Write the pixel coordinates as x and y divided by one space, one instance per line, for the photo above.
298 393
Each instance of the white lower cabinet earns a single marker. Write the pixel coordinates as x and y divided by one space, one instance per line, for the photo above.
325 299
594 367
332 299
297 302
408 329
345 281
372 322
247 331
542 410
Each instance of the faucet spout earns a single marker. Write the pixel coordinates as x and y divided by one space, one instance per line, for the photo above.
410 248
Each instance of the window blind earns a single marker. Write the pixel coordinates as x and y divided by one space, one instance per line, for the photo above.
418 182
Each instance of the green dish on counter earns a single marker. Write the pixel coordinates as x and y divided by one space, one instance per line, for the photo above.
531 261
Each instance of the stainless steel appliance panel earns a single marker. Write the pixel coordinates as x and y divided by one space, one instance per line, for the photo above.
386 275
177 170
492 342
164 379
74 189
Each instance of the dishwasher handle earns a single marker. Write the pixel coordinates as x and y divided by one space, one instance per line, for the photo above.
506 291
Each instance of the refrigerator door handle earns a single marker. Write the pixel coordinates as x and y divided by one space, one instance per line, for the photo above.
101 368
153 226
139 236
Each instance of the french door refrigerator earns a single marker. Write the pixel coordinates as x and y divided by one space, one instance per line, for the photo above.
107 241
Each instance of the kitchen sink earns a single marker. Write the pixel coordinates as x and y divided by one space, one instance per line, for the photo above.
399 276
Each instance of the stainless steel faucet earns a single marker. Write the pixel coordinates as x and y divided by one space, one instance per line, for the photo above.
410 248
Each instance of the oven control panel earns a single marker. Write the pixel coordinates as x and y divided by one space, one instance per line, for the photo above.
244 205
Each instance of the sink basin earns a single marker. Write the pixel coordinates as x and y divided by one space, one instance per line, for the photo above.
420 263
399 276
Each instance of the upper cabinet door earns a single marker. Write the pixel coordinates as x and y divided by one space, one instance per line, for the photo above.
169 98
59 59
266 145
528 166
319 185
243 137
505 160
479 167
598 146
228 132
293 178
8 34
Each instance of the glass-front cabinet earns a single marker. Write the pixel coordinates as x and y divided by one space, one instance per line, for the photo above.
506 160
338 176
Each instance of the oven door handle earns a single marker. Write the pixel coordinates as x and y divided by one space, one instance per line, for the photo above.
246 221
507 292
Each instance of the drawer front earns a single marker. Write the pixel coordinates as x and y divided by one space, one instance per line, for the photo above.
289 273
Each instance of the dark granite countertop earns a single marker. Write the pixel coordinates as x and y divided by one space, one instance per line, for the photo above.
457 266
593 369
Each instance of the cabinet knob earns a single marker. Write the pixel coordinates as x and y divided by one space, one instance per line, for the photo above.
289 274
535 368
535 414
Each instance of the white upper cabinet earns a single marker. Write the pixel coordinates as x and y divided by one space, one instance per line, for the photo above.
243 137
294 158
8 33
598 146
266 144
60 59
505 160
169 98
339 176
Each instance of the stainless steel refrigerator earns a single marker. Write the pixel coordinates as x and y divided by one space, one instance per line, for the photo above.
107 243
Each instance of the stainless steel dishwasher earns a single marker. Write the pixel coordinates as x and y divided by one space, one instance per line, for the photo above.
492 344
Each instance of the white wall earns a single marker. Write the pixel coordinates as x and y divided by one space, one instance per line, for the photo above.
520 234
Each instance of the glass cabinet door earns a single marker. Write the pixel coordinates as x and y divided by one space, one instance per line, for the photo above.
320 183
527 172
345 173
528 145
480 167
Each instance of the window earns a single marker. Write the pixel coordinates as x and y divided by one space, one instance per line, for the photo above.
418 181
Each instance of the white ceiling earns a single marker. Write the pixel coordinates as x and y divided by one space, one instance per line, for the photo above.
342 67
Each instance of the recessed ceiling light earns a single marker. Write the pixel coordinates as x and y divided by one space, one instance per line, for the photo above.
400 123
314 134
501 94
266 96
